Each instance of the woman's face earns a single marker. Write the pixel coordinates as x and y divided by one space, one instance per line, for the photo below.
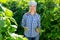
32 8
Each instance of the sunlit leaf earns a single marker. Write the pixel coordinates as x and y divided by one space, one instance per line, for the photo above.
43 1
55 9
3 1
14 26
25 39
8 13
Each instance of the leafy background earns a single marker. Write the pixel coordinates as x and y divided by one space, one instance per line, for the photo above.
50 16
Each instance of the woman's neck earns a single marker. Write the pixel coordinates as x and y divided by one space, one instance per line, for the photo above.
32 13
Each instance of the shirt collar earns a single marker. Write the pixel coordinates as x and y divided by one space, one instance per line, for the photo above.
30 14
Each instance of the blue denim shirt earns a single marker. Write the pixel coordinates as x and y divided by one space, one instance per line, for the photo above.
31 22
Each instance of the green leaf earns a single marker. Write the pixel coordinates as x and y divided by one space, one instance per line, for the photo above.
2 23
14 21
8 13
3 1
1 36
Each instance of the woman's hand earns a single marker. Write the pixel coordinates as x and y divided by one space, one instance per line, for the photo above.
25 29
37 30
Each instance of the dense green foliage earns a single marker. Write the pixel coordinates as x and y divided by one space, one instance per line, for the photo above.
50 16
50 19
8 25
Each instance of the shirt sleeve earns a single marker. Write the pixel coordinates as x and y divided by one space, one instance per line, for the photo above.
23 21
38 22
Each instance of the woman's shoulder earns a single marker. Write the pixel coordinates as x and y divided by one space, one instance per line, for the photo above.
26 13
37 14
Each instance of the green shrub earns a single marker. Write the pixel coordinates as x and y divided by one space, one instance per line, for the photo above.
7 29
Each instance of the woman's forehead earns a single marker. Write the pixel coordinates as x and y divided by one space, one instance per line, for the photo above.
32 6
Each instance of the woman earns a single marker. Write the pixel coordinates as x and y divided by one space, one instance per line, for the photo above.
31 22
